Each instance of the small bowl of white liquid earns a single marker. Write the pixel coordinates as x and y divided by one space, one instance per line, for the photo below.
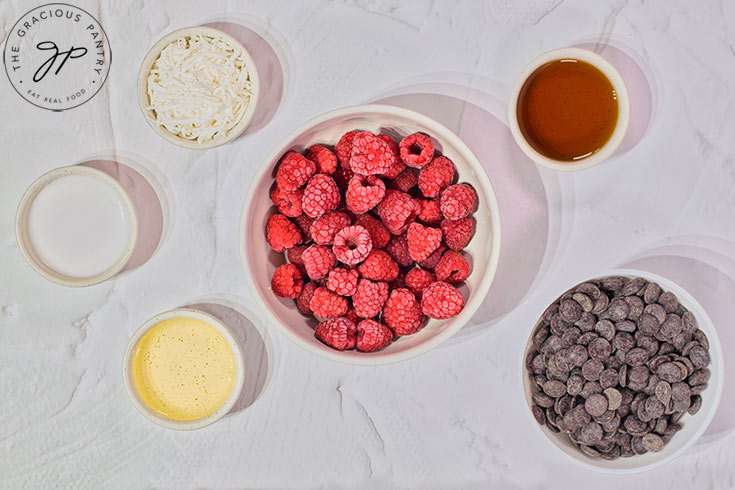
76 226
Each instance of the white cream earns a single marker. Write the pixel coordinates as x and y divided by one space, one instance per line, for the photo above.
79 225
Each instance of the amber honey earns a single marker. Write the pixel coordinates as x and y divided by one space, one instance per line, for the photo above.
567 110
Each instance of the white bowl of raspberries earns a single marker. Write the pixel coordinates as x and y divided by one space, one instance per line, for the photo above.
370 235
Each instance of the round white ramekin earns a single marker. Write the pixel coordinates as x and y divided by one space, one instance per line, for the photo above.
24 242
693 426
179 424
623 109
260 261
150 117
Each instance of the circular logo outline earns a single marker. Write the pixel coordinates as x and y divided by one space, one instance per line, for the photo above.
108 52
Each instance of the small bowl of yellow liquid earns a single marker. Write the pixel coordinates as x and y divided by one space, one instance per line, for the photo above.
183 369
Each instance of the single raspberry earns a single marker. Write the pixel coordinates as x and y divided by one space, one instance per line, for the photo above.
338 333
304 299
399 281
422 241
431 213
324 228
436 176
287 281
304 223
405 181
441 300
379 234
397 248
289 203
343 281
352 245
320 196
458 233
364 193
281 233
342 177
434 258
418 279
326 304
326 161
294 255
318 260
352 316
452 267
458 201
402 313
370 155
372 336
369 297
397 210
294 171
378 266
344 149
398 166
417 150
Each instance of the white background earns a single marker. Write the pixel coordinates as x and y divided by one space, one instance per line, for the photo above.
453 418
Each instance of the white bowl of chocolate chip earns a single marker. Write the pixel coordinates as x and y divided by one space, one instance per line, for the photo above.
624 372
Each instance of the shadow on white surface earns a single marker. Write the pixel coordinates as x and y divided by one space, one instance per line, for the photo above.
268 55
255 343
150 199
530 230
704 266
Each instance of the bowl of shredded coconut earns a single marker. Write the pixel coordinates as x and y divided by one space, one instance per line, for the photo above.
198 87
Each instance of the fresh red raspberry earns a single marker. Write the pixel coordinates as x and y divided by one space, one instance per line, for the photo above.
352 245
398 166
338 333
289 203
304 223
434 258
370 155
379 234
326 161
436 176
320 196
431 213
458 201
452 267
441 300
399 281
342 177
397 210
402 313
422 241
281 233
294 171
324 228
397 248
458 233
287 281
372 336
369 297
304 299
294 255
418 279
343 281
318 260
417 150
326 304
405 181
344 149
352 316
378 266
364 193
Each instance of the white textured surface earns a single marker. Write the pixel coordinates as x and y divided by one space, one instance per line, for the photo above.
453 418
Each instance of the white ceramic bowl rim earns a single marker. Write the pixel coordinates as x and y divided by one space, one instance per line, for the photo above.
623 108
26 247
441 133
706 414
189 424
152 56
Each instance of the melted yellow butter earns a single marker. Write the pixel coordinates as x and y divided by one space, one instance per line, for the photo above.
183 368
